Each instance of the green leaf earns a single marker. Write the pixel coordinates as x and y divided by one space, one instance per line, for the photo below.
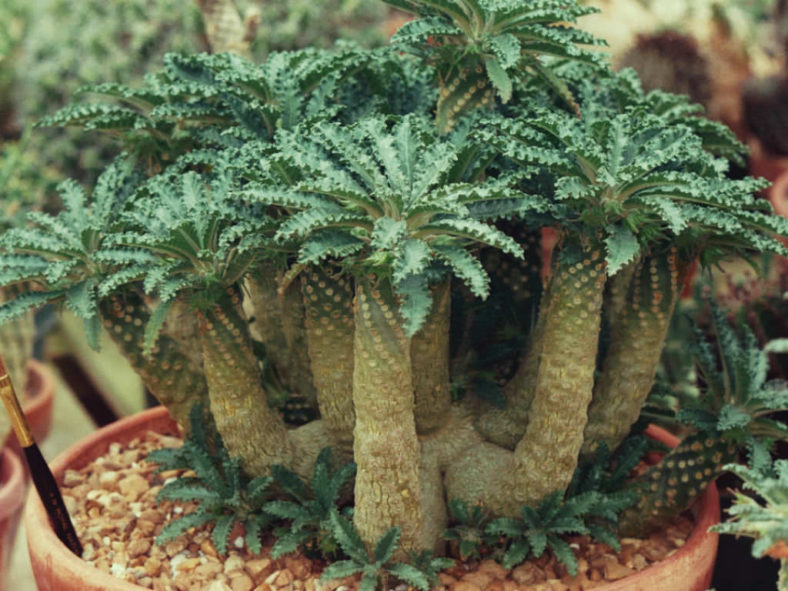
412 259
506 526
155 325
733 417
254 527
340 570
564 554
467 268
286 510
386 545
516 554
179 526
388 233
289 543
415 302
622 248
348 538
221 532
499 78
92 328
604 535
81 299
291 483
411 575
369 582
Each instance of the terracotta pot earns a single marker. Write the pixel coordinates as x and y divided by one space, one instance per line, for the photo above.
37 403
54 566
12 495
692 566
763 164
57 569
778 195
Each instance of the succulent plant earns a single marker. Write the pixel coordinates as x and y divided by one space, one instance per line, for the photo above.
350 198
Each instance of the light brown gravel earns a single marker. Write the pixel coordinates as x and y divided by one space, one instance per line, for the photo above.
112 503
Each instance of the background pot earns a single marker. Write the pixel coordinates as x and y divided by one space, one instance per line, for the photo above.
12 495
778 195
57 569
37 404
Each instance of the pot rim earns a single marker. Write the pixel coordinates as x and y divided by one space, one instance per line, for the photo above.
12 483
778 194
158 419
35 400
37 405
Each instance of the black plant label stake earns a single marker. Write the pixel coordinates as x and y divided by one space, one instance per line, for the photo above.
43 479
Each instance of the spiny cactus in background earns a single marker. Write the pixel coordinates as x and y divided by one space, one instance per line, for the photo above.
670 61
225 29
68 45
733 414
764 518
484 48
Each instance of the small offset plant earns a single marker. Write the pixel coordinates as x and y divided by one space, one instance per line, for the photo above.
309 512
469 529
376 567
224 495
364 207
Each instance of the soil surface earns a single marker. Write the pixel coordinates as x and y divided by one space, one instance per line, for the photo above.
112 503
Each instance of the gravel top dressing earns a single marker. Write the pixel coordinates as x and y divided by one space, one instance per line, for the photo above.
112 503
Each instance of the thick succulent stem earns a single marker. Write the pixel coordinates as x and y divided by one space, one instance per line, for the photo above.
465 90
385 446
173 377
617 294
666 489
520 282
631 362
251 430
294 327
546 456
329 335
16 339
266 321
429 351
279 325
505 427
181 325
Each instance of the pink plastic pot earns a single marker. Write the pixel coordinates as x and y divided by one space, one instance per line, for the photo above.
12 496
57 569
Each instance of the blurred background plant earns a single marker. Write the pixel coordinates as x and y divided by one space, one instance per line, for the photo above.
709 49
51 48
